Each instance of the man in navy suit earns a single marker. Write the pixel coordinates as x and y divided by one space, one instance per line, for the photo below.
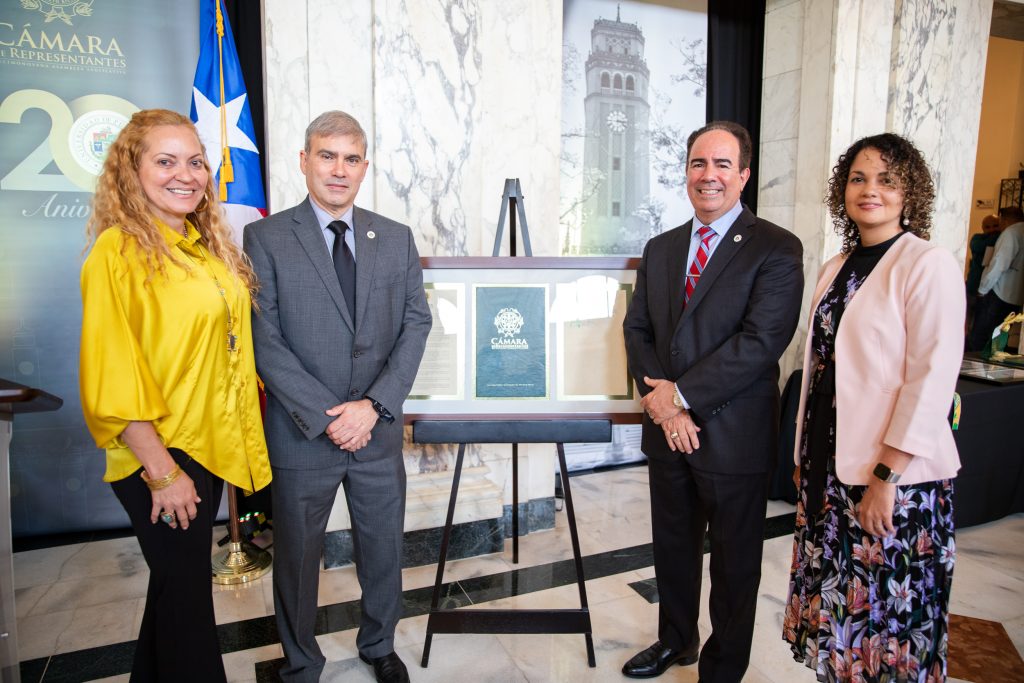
716 304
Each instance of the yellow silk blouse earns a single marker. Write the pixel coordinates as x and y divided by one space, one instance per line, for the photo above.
158 351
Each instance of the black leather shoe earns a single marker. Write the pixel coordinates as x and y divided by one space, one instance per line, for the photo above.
387 669
655 660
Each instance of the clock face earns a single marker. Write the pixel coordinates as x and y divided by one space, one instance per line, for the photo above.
616 121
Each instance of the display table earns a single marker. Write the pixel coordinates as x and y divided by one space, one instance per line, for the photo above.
990 484
991 444
14 398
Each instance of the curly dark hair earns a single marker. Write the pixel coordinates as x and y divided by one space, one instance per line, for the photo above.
907 169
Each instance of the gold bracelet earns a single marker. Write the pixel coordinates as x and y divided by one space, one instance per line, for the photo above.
163 482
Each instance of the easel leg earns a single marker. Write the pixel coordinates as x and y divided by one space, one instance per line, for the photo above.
515 503
445 539
571 516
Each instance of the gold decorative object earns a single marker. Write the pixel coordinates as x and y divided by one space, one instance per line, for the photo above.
242 562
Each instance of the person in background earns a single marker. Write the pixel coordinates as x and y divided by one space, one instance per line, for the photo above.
980 248
167 376
1001 289
874 549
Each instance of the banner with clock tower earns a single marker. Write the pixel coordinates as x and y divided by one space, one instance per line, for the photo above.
633 90
617 143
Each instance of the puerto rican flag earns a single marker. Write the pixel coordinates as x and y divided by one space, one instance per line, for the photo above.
220 110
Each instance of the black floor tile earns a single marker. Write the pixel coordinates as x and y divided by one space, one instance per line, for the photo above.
112 660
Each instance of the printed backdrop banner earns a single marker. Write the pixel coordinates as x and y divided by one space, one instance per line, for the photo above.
71 74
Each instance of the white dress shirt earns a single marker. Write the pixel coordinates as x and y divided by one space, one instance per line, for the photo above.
1004 274
326 219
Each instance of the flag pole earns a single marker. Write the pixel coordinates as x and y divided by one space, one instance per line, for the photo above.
242 562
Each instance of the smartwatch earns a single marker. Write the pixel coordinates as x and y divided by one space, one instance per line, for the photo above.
883 472
383 412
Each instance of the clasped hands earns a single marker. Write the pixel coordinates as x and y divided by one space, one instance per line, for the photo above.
353 421
679 428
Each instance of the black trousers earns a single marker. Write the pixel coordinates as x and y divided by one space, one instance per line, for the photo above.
989 312
685 504
178 638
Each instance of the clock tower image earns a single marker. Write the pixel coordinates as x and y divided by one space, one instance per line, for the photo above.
616 151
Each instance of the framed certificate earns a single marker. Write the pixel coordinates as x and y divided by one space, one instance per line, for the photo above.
526 335
510 341
442 371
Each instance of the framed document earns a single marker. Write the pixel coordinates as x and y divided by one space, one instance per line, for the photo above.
591 353
442 370
526 335
510 341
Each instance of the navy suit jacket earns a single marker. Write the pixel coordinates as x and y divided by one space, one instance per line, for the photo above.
722 349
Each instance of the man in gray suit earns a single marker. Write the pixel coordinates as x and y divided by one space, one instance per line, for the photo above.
339 334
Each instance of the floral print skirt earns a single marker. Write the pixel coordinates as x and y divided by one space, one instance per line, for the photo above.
863 608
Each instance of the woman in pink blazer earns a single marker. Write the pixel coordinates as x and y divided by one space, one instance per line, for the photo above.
874 550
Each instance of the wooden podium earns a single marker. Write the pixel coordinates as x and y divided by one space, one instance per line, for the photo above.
14 398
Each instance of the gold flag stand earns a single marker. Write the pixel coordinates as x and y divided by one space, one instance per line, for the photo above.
242 562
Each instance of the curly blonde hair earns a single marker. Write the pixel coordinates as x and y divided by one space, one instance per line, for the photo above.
120 201
907 169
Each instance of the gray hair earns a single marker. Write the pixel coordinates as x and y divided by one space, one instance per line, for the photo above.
332 123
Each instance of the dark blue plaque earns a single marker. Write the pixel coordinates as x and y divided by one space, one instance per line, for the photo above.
511 341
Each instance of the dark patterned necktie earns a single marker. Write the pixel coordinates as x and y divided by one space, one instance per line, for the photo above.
700 259
344 265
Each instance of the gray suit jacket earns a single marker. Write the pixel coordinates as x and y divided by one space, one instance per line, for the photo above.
310 354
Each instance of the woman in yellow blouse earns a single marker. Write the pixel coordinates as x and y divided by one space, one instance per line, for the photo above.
167 377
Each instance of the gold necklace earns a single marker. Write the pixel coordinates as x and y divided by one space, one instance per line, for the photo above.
232 337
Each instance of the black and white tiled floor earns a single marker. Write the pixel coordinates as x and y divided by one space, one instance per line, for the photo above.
79 606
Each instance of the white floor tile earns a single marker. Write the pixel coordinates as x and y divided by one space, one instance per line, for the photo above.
86 595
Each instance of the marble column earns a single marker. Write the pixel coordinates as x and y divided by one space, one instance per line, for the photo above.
455 96
836 70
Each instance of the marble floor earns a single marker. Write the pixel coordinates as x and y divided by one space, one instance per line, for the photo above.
79 606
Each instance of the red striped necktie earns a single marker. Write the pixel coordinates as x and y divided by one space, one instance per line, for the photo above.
700 259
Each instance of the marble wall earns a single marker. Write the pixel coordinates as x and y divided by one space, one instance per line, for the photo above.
836 70
455 96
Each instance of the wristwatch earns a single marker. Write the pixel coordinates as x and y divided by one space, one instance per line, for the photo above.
883 472
383 412
677 400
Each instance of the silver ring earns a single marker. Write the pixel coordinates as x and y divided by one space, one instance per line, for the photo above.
674 435
167 517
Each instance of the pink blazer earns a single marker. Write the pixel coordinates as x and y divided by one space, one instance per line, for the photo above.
898 354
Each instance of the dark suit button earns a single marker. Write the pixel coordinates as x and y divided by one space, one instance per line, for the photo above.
674 352
354 392
356 354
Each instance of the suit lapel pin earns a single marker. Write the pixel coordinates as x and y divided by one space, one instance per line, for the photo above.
737 238
371 234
